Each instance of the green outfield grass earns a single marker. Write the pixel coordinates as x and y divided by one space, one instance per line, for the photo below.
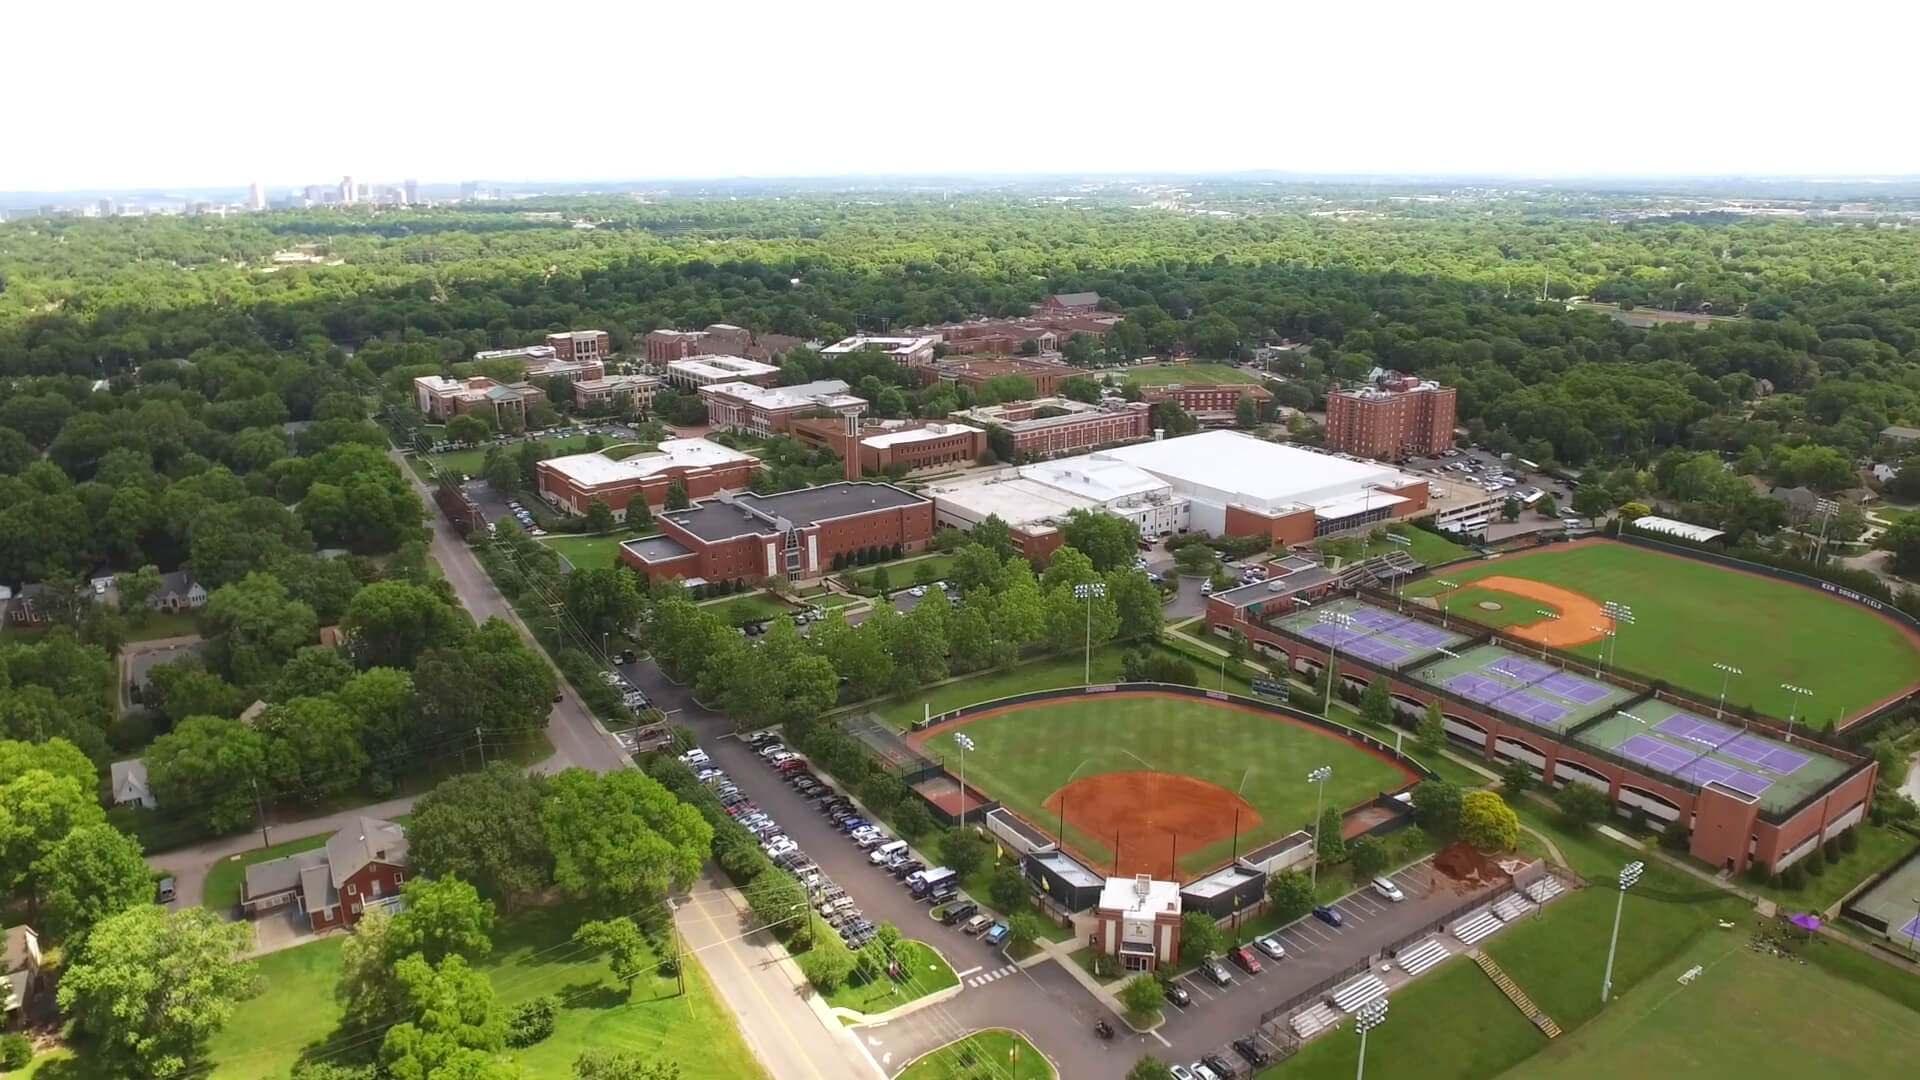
1186 375
748 607
1746 1014
1449 1024
1464 603
1027 754
1689 615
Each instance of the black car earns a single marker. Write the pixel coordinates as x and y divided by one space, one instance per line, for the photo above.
802 777
906 866
1176 993
625 657
959 912
1219 1066
817 791
1247 1048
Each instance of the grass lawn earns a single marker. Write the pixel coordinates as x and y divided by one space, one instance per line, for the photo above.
1028 754
162 624
983 1054
1690 615
1450 1024
1508 610
1879 847
922 972
473 460
1085 958
531 957
1429 548
1734 1019
591 552
908 572
748 607
1185 374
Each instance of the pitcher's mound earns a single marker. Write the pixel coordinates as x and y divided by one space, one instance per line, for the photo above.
1154 816
1490 605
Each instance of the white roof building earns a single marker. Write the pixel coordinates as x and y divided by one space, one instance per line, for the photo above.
130 784
708 369
907 351
1681 529
1034 498
593 469
906 436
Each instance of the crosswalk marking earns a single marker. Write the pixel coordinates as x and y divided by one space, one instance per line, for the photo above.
997 973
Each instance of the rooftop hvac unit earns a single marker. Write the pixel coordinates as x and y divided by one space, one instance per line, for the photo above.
1142 884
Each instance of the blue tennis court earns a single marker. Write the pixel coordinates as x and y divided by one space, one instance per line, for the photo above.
1752 749
1694 768
1358 643
1509 699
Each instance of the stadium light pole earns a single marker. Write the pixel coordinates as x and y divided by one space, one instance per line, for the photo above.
965 742
1370 1016
1089 593
1598 660
1826 509
1318 778
1799 692
1344 621
1619 613
1629 876
1445 597
1727 672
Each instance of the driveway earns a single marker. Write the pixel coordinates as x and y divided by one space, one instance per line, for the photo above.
141 657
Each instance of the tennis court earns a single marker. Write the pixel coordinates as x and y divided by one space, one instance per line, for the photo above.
1700 751
1370 633
1522 687
1895 901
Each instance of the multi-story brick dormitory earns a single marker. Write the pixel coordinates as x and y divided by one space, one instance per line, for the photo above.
793 534
1747 789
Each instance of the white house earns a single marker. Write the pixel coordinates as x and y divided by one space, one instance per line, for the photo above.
130 784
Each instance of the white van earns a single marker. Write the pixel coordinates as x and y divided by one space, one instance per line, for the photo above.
885 853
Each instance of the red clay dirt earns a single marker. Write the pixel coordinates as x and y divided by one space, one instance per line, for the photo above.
1467 868
1150 813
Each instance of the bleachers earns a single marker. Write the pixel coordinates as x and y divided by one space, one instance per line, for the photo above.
1352 996
1312 1021
1476 926
1513 907
1545 889
1422 957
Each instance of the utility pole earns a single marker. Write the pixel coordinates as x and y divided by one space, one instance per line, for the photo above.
262 808
481 743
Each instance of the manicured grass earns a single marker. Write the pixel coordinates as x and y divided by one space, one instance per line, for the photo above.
162 624
1047 674
1186 375
1879 847
588 552
748 607
1085 958
1026 755
531 957
1509 610
1450 1024
984 1054
1690 615
1747 1014
922 972
907 572
471 461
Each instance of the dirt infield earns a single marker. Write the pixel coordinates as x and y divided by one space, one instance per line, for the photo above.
1152 816
1579 614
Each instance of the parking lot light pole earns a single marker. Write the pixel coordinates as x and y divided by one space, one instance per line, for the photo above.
1798 692
1629 876
1370 1016
1089 593
1318 778
965 743
1727 672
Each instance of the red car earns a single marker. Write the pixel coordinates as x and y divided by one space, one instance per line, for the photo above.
791 765
1244 959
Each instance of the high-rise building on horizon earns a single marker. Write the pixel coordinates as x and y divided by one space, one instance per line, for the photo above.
412 189
346 189
468 189
256 196
106 207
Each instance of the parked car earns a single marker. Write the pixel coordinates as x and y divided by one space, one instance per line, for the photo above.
1176 993
1329 915
1219 1066
906 866
1217 971
998 934
1249 1048
973 926
1244 959
956 913
1387 890
1272 947
1201 1072
1180 1072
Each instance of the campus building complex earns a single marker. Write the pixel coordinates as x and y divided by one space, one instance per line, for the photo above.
723 339
610 390
1035 499
703 468
1048 426
708 369
909 352
1212 404
1045 375
1402 416
793 534
760 410
503 405
874 446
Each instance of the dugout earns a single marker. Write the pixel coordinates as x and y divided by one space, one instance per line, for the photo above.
1063 880
1225 891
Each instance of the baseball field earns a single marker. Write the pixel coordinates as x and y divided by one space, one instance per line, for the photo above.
1688 616
1161 777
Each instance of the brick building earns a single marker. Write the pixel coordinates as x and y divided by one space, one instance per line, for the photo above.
1048 426
638 390
1137 921
741 406
1048 331
501 404
1079 303
878 445
708 369
723 339
361 867
1212 404
1401 417
581 346
793 534
704 468
972 373
910 352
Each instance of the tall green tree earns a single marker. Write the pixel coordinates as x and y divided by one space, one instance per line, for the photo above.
621 838
211 764
1108 541
442 917
254 626
621 942
91 873
390 623
485 828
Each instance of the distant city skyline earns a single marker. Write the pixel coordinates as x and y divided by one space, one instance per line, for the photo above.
1498 88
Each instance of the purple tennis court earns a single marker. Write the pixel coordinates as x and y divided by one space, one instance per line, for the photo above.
1911 931
1543 677
1689 766
1510 699
1518 667
1723 739
1411 631
1355 643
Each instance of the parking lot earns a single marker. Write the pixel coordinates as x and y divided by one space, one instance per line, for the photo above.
1315 951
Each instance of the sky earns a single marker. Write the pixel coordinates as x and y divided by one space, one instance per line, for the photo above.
220 93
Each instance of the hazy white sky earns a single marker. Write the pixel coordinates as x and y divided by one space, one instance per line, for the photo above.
114 94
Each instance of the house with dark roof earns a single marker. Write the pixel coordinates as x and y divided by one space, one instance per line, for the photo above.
178 592
20 970
361 868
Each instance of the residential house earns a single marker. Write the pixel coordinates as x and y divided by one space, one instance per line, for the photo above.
178 592
130 786
20 968
361 867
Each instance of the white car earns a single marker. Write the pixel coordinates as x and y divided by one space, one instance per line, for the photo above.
779 848
1180 1072
1201 1072
1387 890
917 590
1272 947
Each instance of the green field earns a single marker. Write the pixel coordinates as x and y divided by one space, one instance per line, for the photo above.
1746 1014
748 607
1186 375
922 971
590 552
471 461
1689 615
986 1055
1027 754
1449 1024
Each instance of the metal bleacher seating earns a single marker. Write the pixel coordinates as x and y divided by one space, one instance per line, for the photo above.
1512 907
1312 1020
1545 889
1422 957
1476 926
1350 997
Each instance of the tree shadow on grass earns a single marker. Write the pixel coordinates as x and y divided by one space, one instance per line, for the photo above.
594 994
